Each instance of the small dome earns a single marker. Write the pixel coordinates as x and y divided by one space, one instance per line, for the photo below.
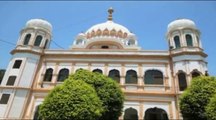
81 34
181 23
39 23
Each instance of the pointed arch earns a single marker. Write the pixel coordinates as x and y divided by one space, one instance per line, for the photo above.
98 71
131 77
48 75
155 114
125 35
92 33
120 34
189 40
114 74
106 32
113 32
195 73
88 35
27 39
130 114
63 74
99 32
153 77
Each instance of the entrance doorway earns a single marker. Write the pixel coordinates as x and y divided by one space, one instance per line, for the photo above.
155 114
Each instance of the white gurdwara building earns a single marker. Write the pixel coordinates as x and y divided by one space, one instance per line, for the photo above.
152 80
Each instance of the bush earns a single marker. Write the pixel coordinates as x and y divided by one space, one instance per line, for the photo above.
211 109
107 90
194 100
74 100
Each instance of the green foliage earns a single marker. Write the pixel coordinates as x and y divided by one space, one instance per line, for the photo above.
74 100
194 100
107 90
211 109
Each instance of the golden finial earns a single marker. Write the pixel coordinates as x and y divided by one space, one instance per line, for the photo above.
110 11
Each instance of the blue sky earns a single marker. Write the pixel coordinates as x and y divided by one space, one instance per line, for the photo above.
147 19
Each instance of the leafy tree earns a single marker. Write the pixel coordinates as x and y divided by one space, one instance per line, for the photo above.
194 100
74 100
107 90
211 109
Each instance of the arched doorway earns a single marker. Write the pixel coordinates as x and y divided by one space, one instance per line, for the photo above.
155 114
130 114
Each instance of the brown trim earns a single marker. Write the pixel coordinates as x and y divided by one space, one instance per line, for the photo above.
107 42
147 100
26 51
149 93
189 53
14 87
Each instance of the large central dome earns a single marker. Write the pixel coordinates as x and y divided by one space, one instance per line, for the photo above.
107 35
108 28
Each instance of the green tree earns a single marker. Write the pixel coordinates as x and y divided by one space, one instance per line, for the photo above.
107 90
194 99
74 100
211 109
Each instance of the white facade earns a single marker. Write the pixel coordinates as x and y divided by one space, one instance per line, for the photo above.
158 77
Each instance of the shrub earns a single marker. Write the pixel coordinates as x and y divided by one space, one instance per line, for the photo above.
74 100
194 100
211 109
107 90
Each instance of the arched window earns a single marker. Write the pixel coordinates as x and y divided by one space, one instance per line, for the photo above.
153 77
63 74
130 114
48 75
198 42
98 70
131 77
189 40
131 42
11 80
114 74
36 114
27 38
38 40
155 114
79 42
182 81
45 45
195 74
177 42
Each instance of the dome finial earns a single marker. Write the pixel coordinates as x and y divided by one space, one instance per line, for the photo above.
110 11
